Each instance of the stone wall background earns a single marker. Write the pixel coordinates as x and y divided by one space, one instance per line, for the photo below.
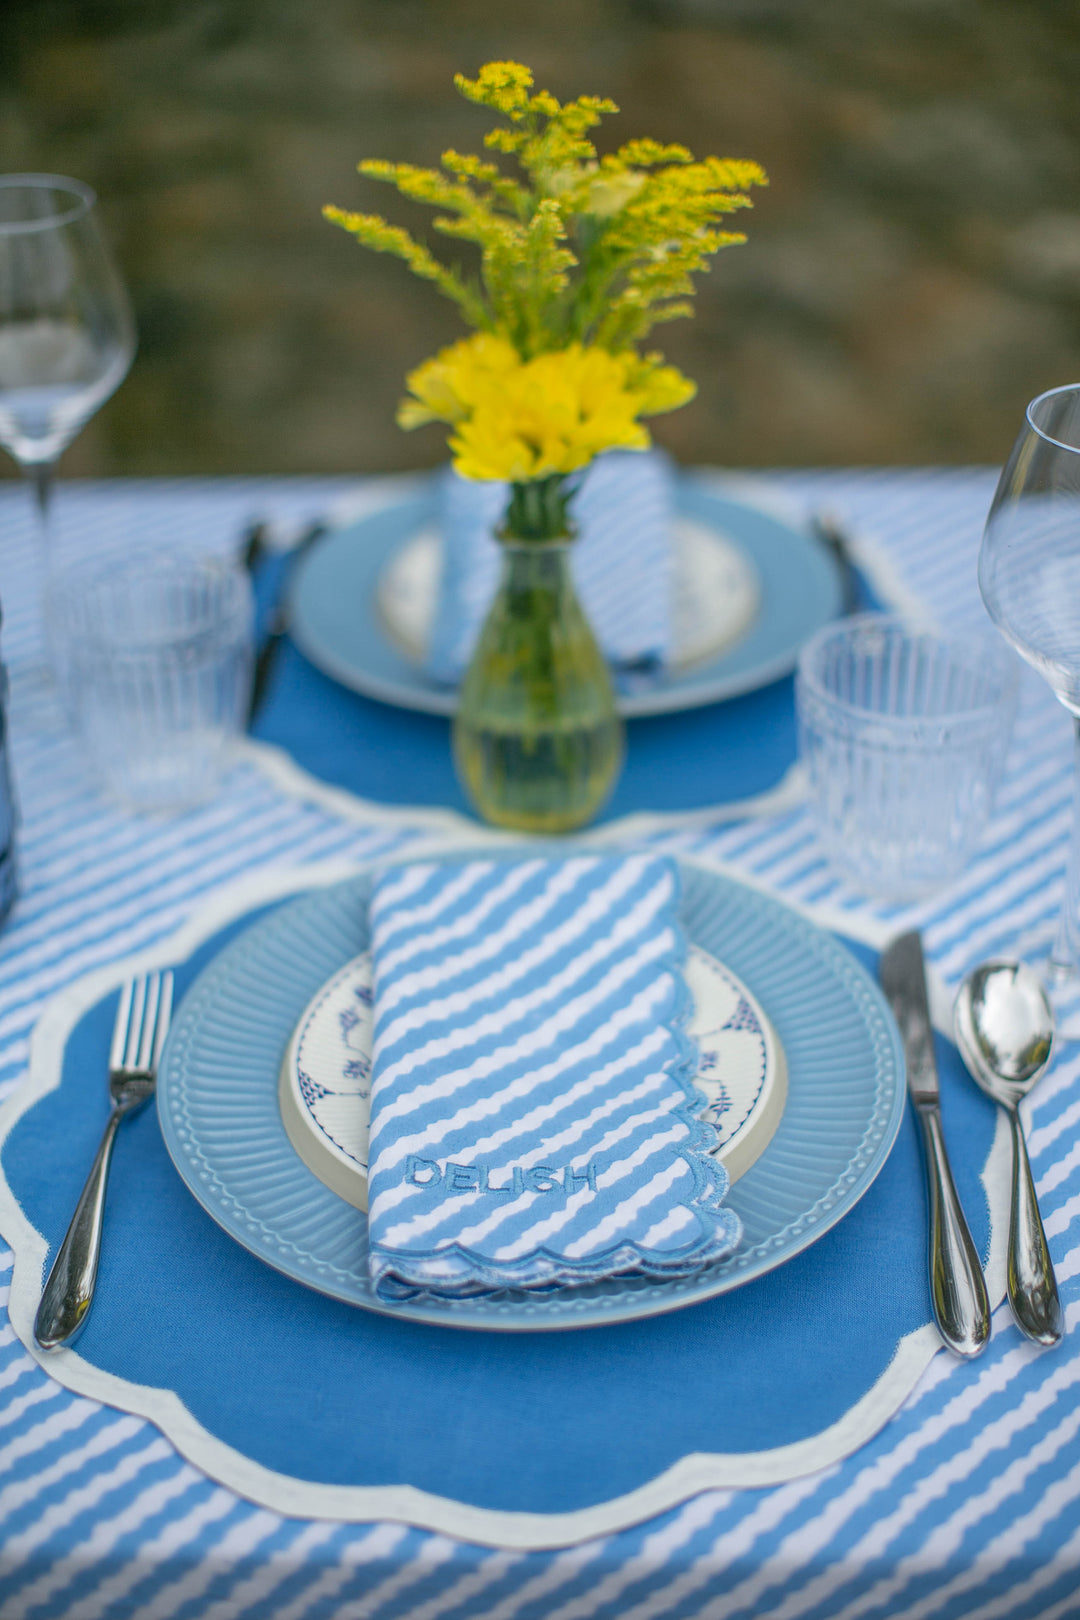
912 276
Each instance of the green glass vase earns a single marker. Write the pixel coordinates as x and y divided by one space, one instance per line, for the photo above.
538 743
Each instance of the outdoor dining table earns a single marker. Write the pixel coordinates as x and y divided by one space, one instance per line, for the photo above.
210 1463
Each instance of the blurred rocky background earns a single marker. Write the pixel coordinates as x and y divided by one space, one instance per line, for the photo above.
912 276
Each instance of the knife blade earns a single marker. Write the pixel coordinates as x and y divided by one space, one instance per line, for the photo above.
278 626
957 1286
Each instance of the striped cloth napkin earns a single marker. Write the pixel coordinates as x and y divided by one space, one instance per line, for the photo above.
533 1112
622 563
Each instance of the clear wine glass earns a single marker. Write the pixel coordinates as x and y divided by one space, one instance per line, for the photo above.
1029 576
67 337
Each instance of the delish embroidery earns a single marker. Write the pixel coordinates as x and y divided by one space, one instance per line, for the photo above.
462 1178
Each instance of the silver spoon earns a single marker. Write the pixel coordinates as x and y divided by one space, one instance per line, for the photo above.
1005 1029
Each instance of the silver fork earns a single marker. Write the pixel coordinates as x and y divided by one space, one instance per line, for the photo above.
142 1022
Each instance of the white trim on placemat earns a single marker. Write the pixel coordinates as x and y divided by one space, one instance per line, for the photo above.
290 778
360 1504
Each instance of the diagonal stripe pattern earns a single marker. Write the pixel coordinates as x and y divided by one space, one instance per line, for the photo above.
966 1506
532 1098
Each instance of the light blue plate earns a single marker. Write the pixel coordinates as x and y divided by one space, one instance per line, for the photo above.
335 621
217 1103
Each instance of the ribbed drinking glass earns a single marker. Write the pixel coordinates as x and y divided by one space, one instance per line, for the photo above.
903 734
154 667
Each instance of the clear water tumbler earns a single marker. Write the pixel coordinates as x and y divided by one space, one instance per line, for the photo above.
154 660
903 735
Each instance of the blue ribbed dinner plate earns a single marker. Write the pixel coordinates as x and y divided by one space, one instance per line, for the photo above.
217 1102
335 621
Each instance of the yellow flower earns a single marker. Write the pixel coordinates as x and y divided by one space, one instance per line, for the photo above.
611 192
502 85
448 386
575 247
520 419
662 388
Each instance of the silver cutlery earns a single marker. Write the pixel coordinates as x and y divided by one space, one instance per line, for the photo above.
957 1287
278 623
142 1022
827 528
1005 1031
253 544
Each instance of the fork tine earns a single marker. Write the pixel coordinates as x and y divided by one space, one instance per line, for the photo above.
164 1014
120 1027
134 1031
146 1040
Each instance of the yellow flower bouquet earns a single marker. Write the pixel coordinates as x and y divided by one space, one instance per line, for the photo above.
580 255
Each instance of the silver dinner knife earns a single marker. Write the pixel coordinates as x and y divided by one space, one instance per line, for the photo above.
957 1286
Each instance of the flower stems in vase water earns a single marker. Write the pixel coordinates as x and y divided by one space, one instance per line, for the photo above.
538 743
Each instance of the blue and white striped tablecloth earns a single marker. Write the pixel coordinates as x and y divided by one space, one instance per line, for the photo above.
967 1504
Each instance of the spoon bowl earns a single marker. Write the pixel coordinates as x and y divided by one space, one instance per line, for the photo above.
1005 1032
1005 1029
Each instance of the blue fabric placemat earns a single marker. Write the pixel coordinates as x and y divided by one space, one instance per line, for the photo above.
683 761
548 1422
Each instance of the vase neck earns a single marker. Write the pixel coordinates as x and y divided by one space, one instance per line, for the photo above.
530 565
537 509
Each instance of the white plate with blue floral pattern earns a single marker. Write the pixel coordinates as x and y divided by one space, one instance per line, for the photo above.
324 1090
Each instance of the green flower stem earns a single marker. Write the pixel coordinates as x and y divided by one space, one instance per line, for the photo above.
538 510
537 739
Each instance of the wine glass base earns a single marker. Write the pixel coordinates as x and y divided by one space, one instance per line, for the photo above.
34 705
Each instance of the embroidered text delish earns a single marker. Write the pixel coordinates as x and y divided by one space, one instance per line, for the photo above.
512 1179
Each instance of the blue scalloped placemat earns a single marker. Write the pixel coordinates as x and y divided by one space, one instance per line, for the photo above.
319 1390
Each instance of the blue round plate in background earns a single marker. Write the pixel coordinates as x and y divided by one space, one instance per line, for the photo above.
217 1103
335 621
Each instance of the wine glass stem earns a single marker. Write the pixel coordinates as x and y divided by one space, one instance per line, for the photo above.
1065 957
40 474
30 670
